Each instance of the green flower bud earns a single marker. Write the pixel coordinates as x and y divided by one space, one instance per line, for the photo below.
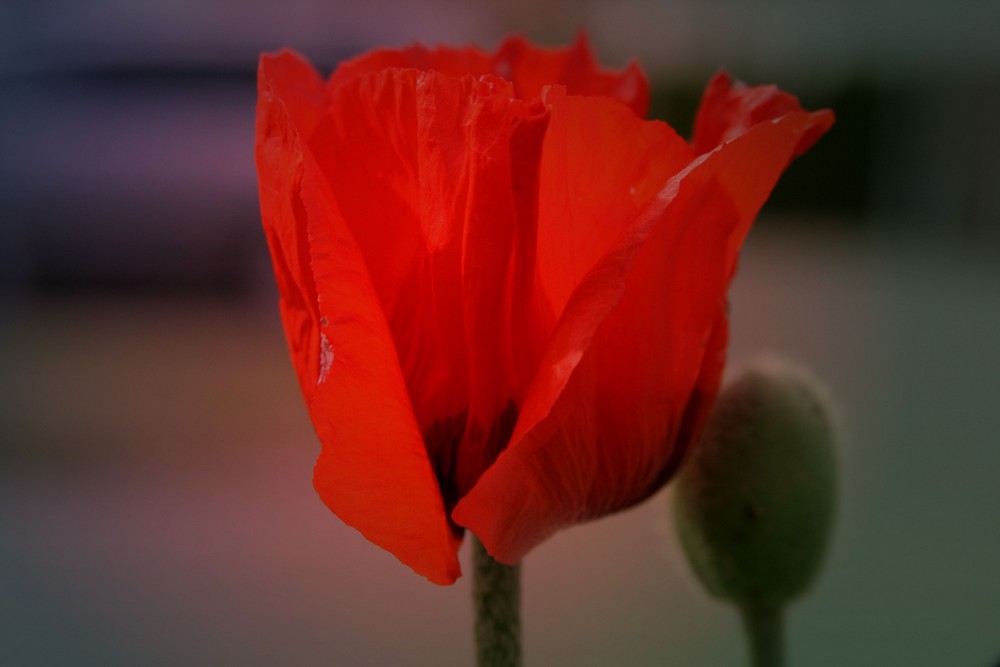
754 504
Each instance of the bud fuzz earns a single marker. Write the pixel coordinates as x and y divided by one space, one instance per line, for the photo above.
754 504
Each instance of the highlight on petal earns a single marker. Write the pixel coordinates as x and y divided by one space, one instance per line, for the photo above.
601 424
533 68
729 109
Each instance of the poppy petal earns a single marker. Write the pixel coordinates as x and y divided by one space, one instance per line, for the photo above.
601 165
450 61
429 171
503 292
598 430
387 151
729 108
374 471
289 102
533 68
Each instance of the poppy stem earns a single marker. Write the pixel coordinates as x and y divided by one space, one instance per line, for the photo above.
764 631
496 595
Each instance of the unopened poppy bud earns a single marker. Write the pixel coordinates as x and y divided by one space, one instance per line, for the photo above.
754 504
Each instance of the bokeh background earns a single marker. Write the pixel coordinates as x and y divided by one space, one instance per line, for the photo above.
155 457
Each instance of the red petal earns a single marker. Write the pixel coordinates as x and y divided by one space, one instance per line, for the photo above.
729 109
389 155
601 165
374 471
430 173
456 62
529 67
504 142
289 103
533 68
602 423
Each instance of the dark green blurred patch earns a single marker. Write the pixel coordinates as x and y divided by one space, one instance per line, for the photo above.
831 182
676 104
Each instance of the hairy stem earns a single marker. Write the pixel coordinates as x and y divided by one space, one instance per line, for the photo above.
496 594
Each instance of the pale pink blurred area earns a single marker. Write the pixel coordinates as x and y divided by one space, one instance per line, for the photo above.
156 503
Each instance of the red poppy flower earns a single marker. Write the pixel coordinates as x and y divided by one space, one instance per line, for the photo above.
503 290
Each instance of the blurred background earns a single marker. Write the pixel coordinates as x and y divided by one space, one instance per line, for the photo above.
155 456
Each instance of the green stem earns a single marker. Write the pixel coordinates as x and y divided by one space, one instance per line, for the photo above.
763 626
496 594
